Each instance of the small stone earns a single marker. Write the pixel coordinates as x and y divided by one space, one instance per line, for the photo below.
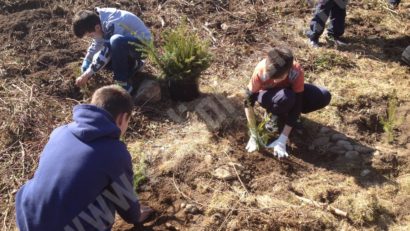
321 141
224 173
192 209
183 205
208 159
338 136
376 153
337 150
216 218
224 26
324 130
342 143
352 155
362 149
348 147
365 172
236 165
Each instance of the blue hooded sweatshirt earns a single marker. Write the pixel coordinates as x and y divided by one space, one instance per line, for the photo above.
84 176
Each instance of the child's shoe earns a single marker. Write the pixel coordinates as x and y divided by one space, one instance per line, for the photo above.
337 41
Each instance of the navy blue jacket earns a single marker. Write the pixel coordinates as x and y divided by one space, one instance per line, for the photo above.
84 176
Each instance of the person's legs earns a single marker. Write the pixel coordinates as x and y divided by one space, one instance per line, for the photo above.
315 98
337 19
317 25
121 51
278 101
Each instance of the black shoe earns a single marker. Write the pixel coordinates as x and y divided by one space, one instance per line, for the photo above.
339 42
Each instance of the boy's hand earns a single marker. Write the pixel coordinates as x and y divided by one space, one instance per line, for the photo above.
82 80
279 146
145 213
253 144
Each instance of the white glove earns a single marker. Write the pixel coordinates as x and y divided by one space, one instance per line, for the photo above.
253 144
279 146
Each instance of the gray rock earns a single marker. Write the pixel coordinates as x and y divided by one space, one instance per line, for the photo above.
321 141
365 172
406 55
348 147
337 150
352 155
362 149
324 130
192 209
342 143
338 136
224 173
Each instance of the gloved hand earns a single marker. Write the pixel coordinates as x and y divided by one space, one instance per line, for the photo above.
254 141
85 65
279 146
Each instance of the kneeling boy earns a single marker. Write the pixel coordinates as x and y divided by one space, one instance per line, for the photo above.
277 84
85 172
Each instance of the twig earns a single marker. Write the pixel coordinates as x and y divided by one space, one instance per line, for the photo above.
182 193
210 33
227 216
23 157
237 174
323 206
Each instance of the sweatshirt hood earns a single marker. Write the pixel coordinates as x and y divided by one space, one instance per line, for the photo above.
92 122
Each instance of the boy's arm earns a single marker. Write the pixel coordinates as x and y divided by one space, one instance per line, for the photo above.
103 58
249 102
96 45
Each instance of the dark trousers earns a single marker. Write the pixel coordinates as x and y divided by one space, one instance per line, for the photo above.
336 10
123 56
280 101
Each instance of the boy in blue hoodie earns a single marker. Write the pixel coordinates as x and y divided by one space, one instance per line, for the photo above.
113 32
85 172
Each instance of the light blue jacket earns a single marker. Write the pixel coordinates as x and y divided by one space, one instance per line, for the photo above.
113 22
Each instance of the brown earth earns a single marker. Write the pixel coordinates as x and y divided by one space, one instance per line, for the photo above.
40 59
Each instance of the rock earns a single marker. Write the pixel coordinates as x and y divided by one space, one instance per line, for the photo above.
406 55
365 172
342 143
321 141
338 136
224 26
216 218
208 159
148 91
337 150
324 130
192 209
362 149
376 153
352 155
183 205
224 173
348 147
236 165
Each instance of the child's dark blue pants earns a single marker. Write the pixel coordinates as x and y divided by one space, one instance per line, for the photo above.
336 10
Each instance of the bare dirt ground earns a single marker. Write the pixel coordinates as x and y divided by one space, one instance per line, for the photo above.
345 171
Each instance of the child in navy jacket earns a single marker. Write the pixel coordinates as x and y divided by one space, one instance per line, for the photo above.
85 172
